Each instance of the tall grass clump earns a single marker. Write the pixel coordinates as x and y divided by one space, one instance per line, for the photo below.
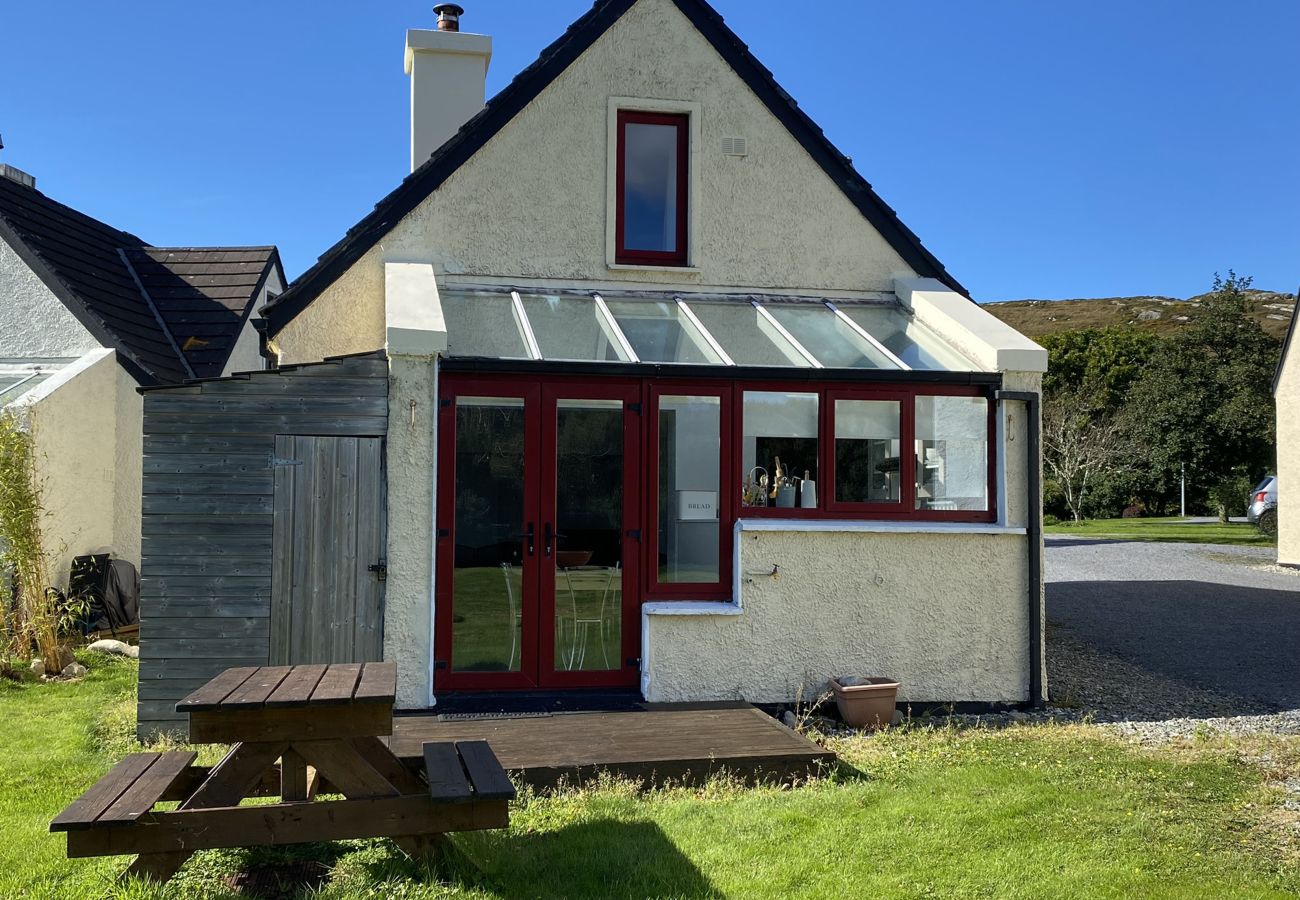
31 615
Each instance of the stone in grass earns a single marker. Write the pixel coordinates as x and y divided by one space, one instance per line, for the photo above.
65 657
74 670
117 648
38 667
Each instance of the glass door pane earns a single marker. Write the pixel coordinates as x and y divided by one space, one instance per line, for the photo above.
488 601
588 539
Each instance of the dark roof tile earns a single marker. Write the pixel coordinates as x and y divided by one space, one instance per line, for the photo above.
132 297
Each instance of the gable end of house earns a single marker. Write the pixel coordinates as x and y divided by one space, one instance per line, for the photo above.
531 82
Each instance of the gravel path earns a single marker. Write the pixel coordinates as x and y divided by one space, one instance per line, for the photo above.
1173 639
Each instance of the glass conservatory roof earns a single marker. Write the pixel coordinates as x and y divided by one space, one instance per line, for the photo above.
702 330
17 377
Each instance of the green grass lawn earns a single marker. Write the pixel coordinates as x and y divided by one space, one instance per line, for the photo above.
1048 811
1172 530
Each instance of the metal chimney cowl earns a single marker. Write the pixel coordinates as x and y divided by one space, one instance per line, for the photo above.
448 16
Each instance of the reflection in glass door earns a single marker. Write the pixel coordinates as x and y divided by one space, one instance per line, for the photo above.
490 554
588 556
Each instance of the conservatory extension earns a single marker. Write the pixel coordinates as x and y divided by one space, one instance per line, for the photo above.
611 461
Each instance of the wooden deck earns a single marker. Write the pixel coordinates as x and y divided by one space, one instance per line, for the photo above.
651 745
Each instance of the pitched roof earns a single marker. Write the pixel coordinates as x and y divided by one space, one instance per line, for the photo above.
204 295
529 83
92 268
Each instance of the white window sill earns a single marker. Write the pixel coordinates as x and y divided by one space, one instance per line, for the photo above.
628 267
890 527
691 608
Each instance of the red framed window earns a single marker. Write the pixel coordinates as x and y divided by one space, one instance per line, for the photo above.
871 452
689 518
653 171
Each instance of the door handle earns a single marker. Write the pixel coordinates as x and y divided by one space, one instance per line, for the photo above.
549 537
530 537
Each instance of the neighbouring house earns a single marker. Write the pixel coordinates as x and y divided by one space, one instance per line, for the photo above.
88 314
1286 394
634 383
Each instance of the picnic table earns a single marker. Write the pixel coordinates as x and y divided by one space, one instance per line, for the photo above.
324 724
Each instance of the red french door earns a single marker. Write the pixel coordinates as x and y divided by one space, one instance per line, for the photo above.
538 511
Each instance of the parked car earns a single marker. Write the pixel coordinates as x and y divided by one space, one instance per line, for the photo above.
1261 510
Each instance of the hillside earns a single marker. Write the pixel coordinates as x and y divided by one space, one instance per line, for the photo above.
1161 315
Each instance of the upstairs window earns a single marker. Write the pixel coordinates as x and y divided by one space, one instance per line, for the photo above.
652 188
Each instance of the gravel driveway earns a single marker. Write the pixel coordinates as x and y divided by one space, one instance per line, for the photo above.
1151 631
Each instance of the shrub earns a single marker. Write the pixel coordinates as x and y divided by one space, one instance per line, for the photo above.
1230 496
1049 519
31 618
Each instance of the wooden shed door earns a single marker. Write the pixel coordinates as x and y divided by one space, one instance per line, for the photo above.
327 601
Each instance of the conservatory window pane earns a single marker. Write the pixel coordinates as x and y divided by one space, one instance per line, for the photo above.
482 324
779 450
658 332
908 339
952 450
829 339
748 338
570 328
690 447
868 436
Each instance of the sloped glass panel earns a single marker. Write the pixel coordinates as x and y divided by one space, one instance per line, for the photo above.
482 324
660 333
909 340
748 338
828 338
571 328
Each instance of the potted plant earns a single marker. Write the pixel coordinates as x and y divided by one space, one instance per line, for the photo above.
865 702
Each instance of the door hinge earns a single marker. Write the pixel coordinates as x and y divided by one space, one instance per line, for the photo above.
380 569
634 534
635 407
440 663
444 402
634 662
443 533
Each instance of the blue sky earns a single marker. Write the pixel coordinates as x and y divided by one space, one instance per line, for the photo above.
1043 150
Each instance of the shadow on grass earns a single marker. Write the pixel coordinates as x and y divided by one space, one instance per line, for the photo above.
606 858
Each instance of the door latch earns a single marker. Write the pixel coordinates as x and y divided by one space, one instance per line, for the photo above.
380 569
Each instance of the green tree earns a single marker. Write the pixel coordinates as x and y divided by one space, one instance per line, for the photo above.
1103 361
1205 398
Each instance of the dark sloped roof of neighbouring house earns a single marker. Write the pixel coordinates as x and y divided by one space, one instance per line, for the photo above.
203 295
532 81
92 268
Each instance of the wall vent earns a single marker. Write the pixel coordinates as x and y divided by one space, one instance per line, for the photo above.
735 146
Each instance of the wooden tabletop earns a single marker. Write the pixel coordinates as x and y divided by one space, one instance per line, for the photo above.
287 687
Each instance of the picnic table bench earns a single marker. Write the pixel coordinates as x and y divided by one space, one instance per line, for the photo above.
324 724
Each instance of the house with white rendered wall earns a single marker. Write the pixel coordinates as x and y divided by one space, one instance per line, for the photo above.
89 313
673 403
1286 396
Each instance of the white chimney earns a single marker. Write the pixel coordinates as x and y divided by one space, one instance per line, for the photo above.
448 70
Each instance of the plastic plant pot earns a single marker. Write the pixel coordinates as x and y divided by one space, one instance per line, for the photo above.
865 702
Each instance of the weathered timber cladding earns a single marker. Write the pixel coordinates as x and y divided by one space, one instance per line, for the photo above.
210 475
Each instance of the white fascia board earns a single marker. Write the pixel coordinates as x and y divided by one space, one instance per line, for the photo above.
415 325
994 344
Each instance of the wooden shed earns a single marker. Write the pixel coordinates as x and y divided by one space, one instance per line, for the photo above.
264 525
